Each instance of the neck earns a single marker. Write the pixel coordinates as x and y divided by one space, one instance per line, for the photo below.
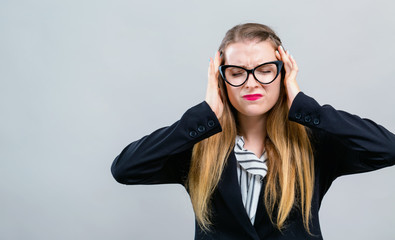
253 130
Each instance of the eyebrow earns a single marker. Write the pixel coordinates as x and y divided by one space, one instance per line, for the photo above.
244 66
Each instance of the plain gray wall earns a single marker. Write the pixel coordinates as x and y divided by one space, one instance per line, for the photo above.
82 79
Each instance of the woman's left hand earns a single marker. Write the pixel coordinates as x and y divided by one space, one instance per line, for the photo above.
291 70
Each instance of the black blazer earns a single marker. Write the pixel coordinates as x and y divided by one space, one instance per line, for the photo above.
343 144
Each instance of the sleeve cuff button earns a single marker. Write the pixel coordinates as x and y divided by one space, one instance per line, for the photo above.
307 119
298 115
211 123
192 133
201 129
316 121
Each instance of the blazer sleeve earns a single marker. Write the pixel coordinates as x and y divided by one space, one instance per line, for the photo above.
164 155
354 144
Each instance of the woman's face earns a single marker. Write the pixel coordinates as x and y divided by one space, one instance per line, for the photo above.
250 54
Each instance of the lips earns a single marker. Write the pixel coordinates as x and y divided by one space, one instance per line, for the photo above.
252 97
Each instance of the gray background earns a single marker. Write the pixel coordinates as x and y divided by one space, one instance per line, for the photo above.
82 79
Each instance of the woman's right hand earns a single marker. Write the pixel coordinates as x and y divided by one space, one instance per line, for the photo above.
213 94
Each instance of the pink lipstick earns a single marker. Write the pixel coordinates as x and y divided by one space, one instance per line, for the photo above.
252 97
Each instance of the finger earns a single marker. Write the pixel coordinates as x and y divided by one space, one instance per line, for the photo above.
295 68
292 61
212 73
281 50
210 67
294 64
285 57
217 61
278 56
289 58
283 54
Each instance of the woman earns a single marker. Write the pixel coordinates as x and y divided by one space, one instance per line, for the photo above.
258 155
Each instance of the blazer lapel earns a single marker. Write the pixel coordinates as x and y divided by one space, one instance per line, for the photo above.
261 209
262 220
230 191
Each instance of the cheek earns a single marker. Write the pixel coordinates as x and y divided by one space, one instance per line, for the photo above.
273 92
275 87
232 95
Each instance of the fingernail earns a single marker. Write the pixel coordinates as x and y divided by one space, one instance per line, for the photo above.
292 56
281 47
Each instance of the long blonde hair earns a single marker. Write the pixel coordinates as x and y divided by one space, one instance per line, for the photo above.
290 175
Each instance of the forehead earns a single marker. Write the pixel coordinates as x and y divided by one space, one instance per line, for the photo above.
249 53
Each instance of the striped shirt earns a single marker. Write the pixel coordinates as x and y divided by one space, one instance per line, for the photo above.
250 172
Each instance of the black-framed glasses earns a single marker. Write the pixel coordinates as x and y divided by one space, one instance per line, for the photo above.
265 73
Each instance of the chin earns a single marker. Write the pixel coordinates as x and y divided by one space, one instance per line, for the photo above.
255 111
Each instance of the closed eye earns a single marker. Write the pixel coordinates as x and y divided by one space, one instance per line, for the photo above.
264 72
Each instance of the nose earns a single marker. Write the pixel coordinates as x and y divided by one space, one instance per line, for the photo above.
251 81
